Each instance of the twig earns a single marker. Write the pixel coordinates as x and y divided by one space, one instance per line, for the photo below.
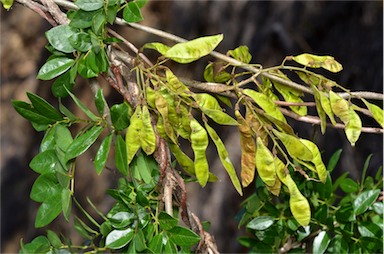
39 9
55 11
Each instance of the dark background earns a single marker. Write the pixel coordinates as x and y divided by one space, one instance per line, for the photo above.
351 31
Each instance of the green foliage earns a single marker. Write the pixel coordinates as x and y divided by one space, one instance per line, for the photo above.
342 221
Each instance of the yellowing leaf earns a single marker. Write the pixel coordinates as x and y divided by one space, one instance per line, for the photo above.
326 105
190 51
275 189
353 127
339 106
175 84
376 112
7 4
326 62
159 47
147 134
266 104
265 164
207 101
291 95
317 160
224 158
162 107
220 117
132 137
320 110
199 140
294 146
299 205
248 151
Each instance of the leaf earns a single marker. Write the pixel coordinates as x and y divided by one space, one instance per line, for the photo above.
98 22
241 54
44 187
48 141
48 211
266 104
183 236
132 138
265 163
316 160
215 72
66 203
333 160
349 186
144 166
321 242
353 127
369 229
54 239
100 101
314 61
260 223
162 106
80 41
199 141
291 95
117 239
159 47
248 151
38 245
62 81
339 106
364 200
120 116
186 52
147 134
102 154
82 106
156 245
185 162
28 112
121 155
81 143
224 158
7 4
220 117
326 105
175 84
44 107
166 221
376 112
132 13
54 68
89 5
122 219
63 137
294 146
58 37
45 162
81 19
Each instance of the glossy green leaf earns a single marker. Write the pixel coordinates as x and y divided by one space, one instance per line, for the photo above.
48 141
316 159
66 203
369 229
314 61
44 187
186 52
28 112
334 160
265 163
353 127
81 143
241 54
117 239
44 107
349 186
339 106
81 19
364 200
63 137
48 211
58 37
86 66
371 244
207 101
98 22
144 165
82 106
38 245
132 137
339 245
102 154
183 236
260 223
7 4
122 219
120 116
156 245
166 221
45 162
121 155
54 239
54 68
132 13
89 5
199 141
321 242
147 134
100 102
266 104
80 41
224 158
62 81
376 112
294 146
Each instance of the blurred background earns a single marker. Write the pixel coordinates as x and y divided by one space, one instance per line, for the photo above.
351 31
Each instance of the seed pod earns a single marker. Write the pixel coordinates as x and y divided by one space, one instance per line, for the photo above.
326 105
376 112
320 110
150 96
294 146
185 162
339 106
175 84
317 161
248 151
275 189
265 163
147 134
256 126
162 107
199 140
132 137
353 127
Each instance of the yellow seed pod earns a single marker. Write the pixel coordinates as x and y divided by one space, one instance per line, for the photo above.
339 106
353 127
265 164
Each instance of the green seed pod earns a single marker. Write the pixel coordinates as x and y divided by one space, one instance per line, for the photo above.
294 146
353 127
265 163
199 140
339 106
317 161
132 137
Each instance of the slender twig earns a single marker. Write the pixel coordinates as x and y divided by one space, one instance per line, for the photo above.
55 11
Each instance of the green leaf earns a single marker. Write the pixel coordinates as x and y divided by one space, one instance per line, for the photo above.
183 236
339 245
316 160
28 112
369 229
353 127
38 245
122 219
364 200
80 41
82 19
82 106
84 68
156 245
346 213
159 47
54 239
371 244
66 203
376 112
333 160
132 13
121 155
44 107
241 54
224 158
7 4
81 143
100 101
314 61
266 104
48 141
139 241
166 221
186 52
45 162
260 223
89 5
185 162
321 242
143 164
199 141
117 239
349 186
63 137
365 168
54 68
102 154
220 117
45 187
62 81
48 211
58 37
98 22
